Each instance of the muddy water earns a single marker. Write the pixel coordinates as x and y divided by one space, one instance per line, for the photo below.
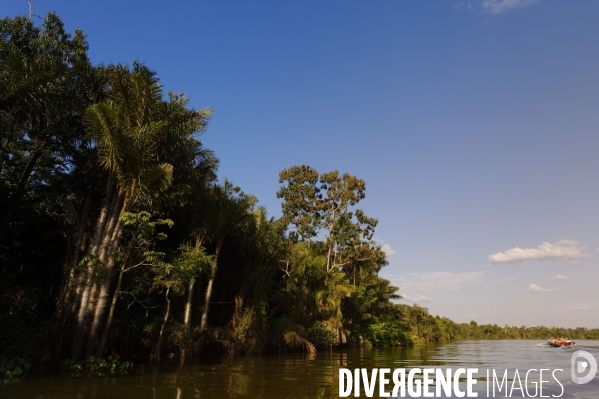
299 375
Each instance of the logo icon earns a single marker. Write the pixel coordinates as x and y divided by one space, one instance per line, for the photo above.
581 362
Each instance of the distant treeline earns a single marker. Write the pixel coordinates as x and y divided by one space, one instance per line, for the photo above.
425 327
116 237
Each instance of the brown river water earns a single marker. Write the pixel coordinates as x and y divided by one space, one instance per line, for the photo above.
301 375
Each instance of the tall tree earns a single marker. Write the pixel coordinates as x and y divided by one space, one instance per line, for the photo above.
176 276
139 251
319 208
130 130
226 207
46 82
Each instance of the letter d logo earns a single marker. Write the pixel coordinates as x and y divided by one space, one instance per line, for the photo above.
579 366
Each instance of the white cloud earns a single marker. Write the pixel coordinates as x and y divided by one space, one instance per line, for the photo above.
416 298
584 307
501 6
387 249
422 282
535 289
564 249
560 277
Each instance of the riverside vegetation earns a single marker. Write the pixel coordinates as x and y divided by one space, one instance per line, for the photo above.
116 237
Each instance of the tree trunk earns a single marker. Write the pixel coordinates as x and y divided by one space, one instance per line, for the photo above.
188 303
71 288
23 181
105 255
93 297
159 343
187 320
86 289
104 338
81 227
209 292
104 288
76 296
62 306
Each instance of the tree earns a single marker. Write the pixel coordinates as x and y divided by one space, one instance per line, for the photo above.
46 82
130 130
139 252
226 207
190 262
319 209
320 204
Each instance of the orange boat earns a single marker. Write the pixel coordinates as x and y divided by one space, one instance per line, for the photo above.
560 342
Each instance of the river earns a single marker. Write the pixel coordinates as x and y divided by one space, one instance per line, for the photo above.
301 375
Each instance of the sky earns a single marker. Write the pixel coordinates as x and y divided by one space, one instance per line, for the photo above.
474 124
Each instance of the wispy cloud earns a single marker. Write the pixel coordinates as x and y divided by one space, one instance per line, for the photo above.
385 247
388 250
416 298
560 277
423 282
535 289
584 308
462 5
564 249
501 6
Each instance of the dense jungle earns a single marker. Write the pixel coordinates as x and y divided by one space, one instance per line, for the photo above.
118 238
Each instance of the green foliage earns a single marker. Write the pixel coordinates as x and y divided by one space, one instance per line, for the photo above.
191 261
96 367
320 334
387 334
282 325
13 370
92 262
132 127
141 237
332 262
39 342
425 327
46 83
320 207
308 291
283 333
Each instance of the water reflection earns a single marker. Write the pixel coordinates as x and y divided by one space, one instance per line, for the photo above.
299 375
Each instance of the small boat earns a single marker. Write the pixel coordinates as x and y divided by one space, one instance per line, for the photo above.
560 342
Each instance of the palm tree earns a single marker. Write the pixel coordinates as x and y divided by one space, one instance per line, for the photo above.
130 131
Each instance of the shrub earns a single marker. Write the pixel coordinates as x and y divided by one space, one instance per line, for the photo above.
322 335
96 367
13 370
385 333
284 334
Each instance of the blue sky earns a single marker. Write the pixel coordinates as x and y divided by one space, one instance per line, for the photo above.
474 124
